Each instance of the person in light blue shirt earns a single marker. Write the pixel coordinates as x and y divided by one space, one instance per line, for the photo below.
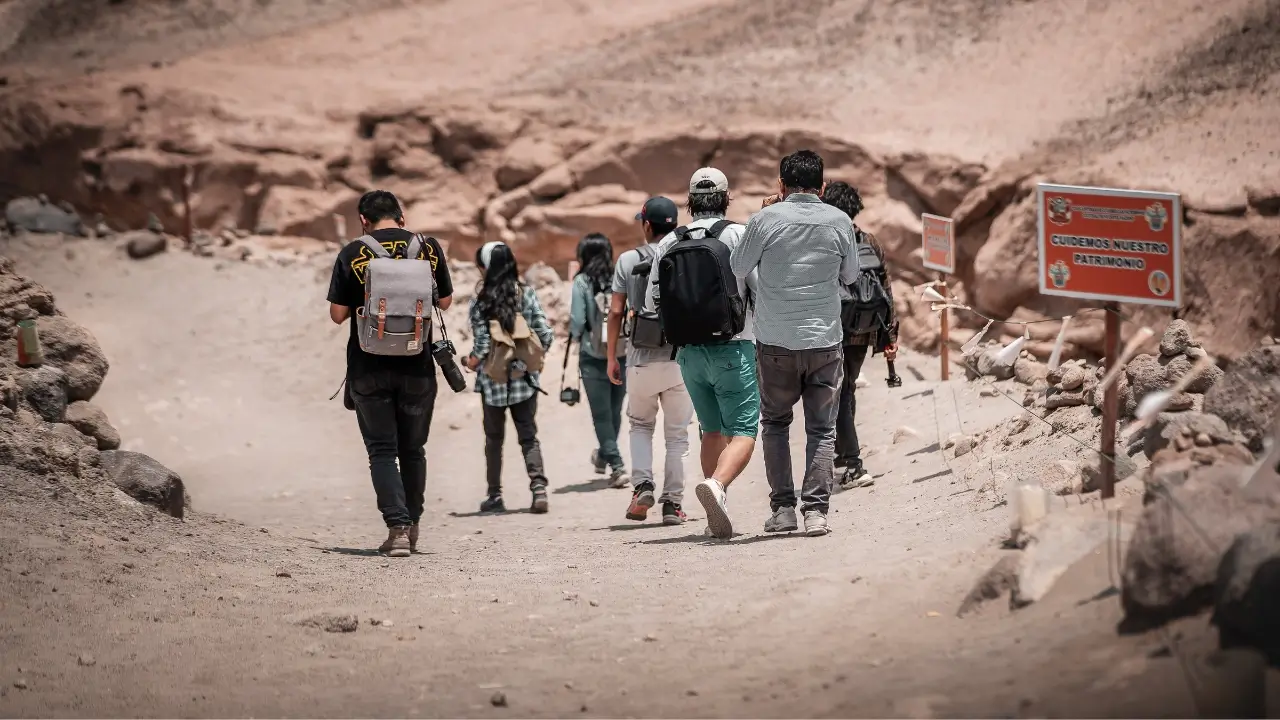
588 325
803 252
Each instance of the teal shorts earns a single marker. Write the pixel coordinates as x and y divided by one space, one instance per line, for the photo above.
723 385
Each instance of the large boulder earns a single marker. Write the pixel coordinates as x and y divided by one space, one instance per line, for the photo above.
308 213
1247 596
1181 536
73 349
92 421
524 160
146 480
1248 395
45 390
39 216
941 182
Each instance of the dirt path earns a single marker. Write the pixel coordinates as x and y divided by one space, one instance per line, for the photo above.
575 613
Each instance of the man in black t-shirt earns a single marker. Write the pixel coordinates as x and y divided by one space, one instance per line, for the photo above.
394 396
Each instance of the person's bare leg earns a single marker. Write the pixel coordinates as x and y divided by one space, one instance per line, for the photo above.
713 444
733 459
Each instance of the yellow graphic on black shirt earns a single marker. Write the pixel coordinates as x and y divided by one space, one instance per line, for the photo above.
362 258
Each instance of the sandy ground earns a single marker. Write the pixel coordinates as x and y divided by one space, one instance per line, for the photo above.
223 372
578 612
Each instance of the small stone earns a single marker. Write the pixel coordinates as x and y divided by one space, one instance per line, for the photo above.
455 426
283 574
964 446
499 699
479 532
128 566
583 708
494 600
86 660
593 603
1072 378
933 613
20 683
691 693
989 392
1205 456
141 245
568 685
1176 340
263 530
904 434
651 638
1203 440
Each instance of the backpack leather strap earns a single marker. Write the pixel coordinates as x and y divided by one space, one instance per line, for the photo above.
414 247
382 317
417 323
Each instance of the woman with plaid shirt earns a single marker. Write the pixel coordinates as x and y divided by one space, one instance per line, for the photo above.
500 296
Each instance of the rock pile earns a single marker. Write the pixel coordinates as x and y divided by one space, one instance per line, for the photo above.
48 425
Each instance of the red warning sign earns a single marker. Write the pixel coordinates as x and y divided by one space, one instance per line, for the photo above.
1113 245
939 241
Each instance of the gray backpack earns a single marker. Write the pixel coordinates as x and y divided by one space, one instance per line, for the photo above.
398 299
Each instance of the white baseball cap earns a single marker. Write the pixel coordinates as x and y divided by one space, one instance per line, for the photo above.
719 183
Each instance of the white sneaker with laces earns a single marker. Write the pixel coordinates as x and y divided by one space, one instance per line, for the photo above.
715 503
815 523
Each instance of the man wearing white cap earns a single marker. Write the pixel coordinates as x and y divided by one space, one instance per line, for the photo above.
706 315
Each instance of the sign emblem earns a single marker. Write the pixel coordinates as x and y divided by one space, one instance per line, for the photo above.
1159 283
1156 216
1059 211
1059 273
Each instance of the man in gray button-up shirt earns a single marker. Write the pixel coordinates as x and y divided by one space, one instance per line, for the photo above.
803 250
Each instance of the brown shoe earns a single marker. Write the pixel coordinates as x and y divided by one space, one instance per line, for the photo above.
397 543
413 538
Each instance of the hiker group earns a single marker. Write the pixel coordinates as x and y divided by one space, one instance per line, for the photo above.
734 324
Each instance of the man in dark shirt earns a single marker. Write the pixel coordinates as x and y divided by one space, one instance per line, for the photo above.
394 396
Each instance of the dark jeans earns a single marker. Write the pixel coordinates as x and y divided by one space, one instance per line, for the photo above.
523 414
394 412
848 452
788 377
606 401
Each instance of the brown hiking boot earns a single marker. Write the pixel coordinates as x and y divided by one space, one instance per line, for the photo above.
413 538
397 543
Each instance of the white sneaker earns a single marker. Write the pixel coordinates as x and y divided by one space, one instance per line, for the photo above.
815 523
715 502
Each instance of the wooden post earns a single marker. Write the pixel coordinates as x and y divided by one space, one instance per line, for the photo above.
944 351
188 223
1110 403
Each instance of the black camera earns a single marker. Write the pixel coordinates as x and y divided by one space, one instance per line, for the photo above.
444 353
570 396
894 380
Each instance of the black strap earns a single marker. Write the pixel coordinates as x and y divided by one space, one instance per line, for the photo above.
564 369
715 230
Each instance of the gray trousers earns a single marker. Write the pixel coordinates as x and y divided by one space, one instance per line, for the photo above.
788 377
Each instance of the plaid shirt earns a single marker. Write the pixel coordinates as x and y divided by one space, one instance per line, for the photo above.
514 391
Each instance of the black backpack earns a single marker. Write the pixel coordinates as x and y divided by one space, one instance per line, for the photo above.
644 328
869 307
698 293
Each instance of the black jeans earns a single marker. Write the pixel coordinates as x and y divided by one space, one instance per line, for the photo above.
394 412
848 452
495 426
605 400
812 378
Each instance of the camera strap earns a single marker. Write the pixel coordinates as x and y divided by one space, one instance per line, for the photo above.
564 369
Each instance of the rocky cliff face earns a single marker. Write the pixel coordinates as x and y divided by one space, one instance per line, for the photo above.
469 174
